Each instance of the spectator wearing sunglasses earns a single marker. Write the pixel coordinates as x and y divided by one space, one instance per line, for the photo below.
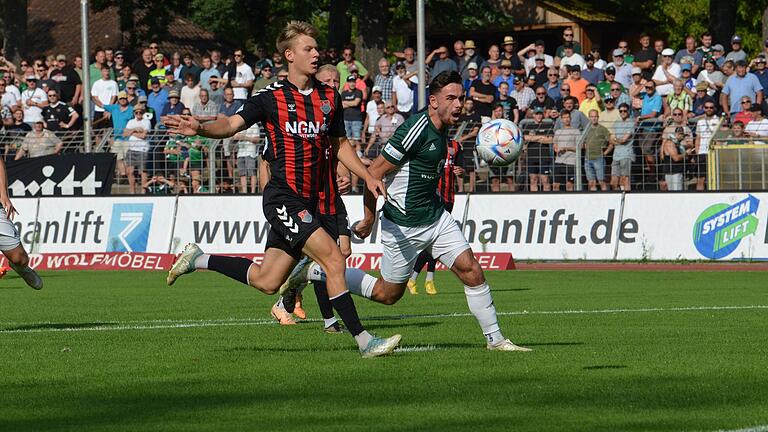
58 115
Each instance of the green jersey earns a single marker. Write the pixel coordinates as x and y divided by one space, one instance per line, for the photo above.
418 150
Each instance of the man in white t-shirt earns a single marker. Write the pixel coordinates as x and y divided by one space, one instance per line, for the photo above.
104 92
705 130
666 73
247 151
243 82
758 127
138 147
402 94
371 113
7 99
33 100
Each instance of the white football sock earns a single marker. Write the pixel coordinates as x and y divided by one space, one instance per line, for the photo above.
316 273
414 275
481 305
329 322
359 282
430 275
201 262
362 339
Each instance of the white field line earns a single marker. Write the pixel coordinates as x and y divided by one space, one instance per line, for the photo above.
425 348
763 428
32 327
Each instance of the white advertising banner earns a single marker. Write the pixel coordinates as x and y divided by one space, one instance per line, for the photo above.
698 226
100 224
548 226
24 219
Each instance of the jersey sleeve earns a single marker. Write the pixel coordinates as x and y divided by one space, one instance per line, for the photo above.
336 127
256 108
397 149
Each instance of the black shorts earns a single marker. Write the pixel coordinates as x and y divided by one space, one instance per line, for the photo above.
336 224
448 207
291 220
541 165
565 173
701 165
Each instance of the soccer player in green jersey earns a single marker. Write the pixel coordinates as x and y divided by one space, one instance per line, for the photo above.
414 217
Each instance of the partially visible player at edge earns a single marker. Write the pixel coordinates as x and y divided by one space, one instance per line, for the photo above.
333 217
414 218
10 242
301 119
446 188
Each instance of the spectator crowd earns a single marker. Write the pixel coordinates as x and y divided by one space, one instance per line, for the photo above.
647 116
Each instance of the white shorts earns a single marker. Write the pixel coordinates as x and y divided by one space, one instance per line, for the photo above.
402 245
9 237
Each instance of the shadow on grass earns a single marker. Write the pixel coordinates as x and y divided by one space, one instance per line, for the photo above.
493 290
600 367
552 343
377 325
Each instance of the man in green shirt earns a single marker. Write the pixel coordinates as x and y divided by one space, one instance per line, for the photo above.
414 217
596 146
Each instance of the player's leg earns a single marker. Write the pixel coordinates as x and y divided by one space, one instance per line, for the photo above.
421 261
452 249
18 260
429 284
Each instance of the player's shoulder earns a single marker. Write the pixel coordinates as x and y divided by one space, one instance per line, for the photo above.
268 91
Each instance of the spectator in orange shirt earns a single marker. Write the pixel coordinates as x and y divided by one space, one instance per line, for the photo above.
577 83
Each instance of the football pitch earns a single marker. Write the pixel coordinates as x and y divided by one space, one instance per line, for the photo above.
613 351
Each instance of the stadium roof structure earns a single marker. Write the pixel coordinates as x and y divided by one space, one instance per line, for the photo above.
55 28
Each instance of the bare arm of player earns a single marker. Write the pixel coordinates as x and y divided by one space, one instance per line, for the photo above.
343 181
265 173
5 201
378 169
222 127
347 155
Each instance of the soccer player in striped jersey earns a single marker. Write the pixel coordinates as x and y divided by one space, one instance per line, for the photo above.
303 119
414 217
446 188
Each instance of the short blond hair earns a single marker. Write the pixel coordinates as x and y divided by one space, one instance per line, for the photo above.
291 31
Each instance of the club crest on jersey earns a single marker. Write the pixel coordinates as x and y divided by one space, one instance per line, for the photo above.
291 107
305 216
325 106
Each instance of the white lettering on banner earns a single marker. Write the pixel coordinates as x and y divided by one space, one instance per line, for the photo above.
67 186
723 219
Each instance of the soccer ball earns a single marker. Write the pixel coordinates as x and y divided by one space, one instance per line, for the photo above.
499 142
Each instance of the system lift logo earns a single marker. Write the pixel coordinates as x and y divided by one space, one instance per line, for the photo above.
721 227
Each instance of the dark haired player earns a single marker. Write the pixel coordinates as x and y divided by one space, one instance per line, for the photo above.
302 121
414 218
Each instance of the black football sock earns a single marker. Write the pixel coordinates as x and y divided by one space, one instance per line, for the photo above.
346 308
323 302
431 264
420 261
234 267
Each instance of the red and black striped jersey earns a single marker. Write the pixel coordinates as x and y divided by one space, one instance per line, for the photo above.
447 185
329 193
299 125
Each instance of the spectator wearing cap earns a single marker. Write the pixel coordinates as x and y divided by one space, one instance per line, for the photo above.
383 80
737 53
739 85
157 97
171 83
689 54
745 115
758 127
119 113
402 93
636 90
568 38
136 132
539 73
718 54
39 142
599 62
712 76
103 92
537 48
216 93
119 62
508 53
158 72
645 57
689 82
666 73
570 58
358 83
483 92
611 113
758 69
505 75
348 60
470 56
590 72
472 77
493 61
700 99
609 76
523 95
623 70
267 78
172 107
69 83
372 111
577 83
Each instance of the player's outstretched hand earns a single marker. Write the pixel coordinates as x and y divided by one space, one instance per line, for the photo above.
8 206
182 124
377 188
363 228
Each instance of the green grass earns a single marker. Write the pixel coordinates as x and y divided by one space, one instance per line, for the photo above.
676 370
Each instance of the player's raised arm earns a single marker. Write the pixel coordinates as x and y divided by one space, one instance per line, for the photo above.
222 127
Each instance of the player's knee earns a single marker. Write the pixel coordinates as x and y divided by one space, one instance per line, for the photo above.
472 274
391 297
18 257
333 263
